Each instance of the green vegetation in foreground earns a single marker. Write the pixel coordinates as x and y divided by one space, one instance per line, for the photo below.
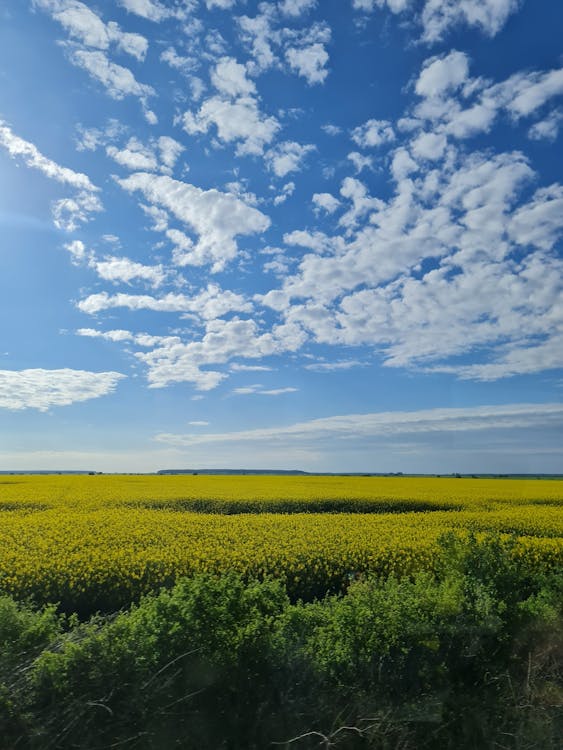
468 657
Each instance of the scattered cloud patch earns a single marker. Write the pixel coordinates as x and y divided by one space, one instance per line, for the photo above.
43 389
217 218
287 157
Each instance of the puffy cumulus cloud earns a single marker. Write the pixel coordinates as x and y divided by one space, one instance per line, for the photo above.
237 121
217 218
159 154
430 146
125 270
210 303
373 133
116 335
325 202
548 128
223 4
458 106
440 75
540 221
395 6
229 77
294 8
360 161
169 150
85 26
437 17
287 157
287 191
224 340
154 10
90 41
309 62
118 81
259 35
386 424
134 156
77 250
43 389
524 93
68 213
464 216
273 45
489 16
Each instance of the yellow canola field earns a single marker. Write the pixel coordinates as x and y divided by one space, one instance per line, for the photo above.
97 542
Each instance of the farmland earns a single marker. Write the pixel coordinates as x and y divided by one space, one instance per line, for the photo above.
99 542
349 612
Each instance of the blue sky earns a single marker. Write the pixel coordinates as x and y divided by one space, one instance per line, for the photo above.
316 234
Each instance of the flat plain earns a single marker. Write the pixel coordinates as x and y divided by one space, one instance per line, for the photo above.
100 542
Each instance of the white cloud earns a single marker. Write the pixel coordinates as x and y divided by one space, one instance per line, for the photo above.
441 75
430 146
32 157
154 10
309 62
85 26
179 62
345 364
287 157
212 302
439 16
395 6
360 161
223 4
325 202
134 156
249 368
259 35
224 340
117 80
77 250
42 389
540 221
261 391
296 8
216 217
331 129
489 16
159 154
286 191
198 423
126 270
170 151
68 213
238 121
524 93
116 335
548 128
386 424
373 133
229 77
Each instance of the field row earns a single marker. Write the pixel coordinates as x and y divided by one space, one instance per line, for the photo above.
263 492
103 559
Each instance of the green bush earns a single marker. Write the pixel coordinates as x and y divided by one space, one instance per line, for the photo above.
467 657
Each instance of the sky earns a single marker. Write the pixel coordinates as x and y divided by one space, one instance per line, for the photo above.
298 234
